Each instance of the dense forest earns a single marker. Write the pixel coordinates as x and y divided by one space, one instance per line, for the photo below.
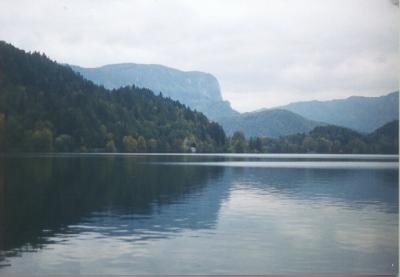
324 139
47 107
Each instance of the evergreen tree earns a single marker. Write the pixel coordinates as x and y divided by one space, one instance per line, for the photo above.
81 116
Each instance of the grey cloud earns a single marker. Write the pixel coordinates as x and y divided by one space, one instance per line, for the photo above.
264 53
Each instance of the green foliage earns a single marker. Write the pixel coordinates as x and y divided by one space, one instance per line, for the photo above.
2 133
386 138
130 144
360 113
238 143
268 123
40 140
47 107
326 139
141 144
110 146
64 143
255 145
82 116
217 134
152 145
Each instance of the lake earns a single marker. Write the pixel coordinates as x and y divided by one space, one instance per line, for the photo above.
198 214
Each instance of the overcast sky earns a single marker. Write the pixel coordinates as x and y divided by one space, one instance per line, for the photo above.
264 53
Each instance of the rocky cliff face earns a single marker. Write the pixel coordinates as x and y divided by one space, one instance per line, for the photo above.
195 89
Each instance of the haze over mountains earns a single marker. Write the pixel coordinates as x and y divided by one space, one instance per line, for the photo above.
198 90
46 107
268 123
363 114
201 91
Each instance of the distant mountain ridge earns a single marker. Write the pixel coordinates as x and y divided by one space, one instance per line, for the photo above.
386 138
363 114
201 91
46 107
268 123
336 139
198 90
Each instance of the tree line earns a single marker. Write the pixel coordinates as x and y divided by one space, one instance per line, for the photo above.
47 107
323 139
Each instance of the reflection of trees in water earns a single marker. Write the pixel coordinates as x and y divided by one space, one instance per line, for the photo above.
45 195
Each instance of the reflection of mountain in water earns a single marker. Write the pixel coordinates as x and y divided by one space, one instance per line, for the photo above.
48 196
195 210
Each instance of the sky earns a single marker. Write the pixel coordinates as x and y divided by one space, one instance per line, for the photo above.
264 53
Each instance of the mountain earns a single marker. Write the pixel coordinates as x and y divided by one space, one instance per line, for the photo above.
332 139
268 123
363 114
388 131
45 106
198 90
386 138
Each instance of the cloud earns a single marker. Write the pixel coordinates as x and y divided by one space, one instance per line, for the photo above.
264 52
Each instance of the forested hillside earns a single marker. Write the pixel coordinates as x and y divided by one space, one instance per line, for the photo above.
324 139
385 139
363 114
198 90
268 123
45 106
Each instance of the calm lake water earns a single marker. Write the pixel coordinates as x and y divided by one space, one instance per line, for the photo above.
198 214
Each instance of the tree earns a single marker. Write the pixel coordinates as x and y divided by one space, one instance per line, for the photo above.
357 146
238 142
188 143
141 144
110 146
255 145
41 140
64 143
34 88
309 145
217 133
324 145
2 132
14 134
177 146
152 145
130 144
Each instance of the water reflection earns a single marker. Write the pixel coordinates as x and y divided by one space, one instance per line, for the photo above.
354 188
56 211
46 196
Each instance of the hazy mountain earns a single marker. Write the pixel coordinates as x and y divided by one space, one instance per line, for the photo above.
390 131
335 139
196 89
385 139
45 106
268 123
363 114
